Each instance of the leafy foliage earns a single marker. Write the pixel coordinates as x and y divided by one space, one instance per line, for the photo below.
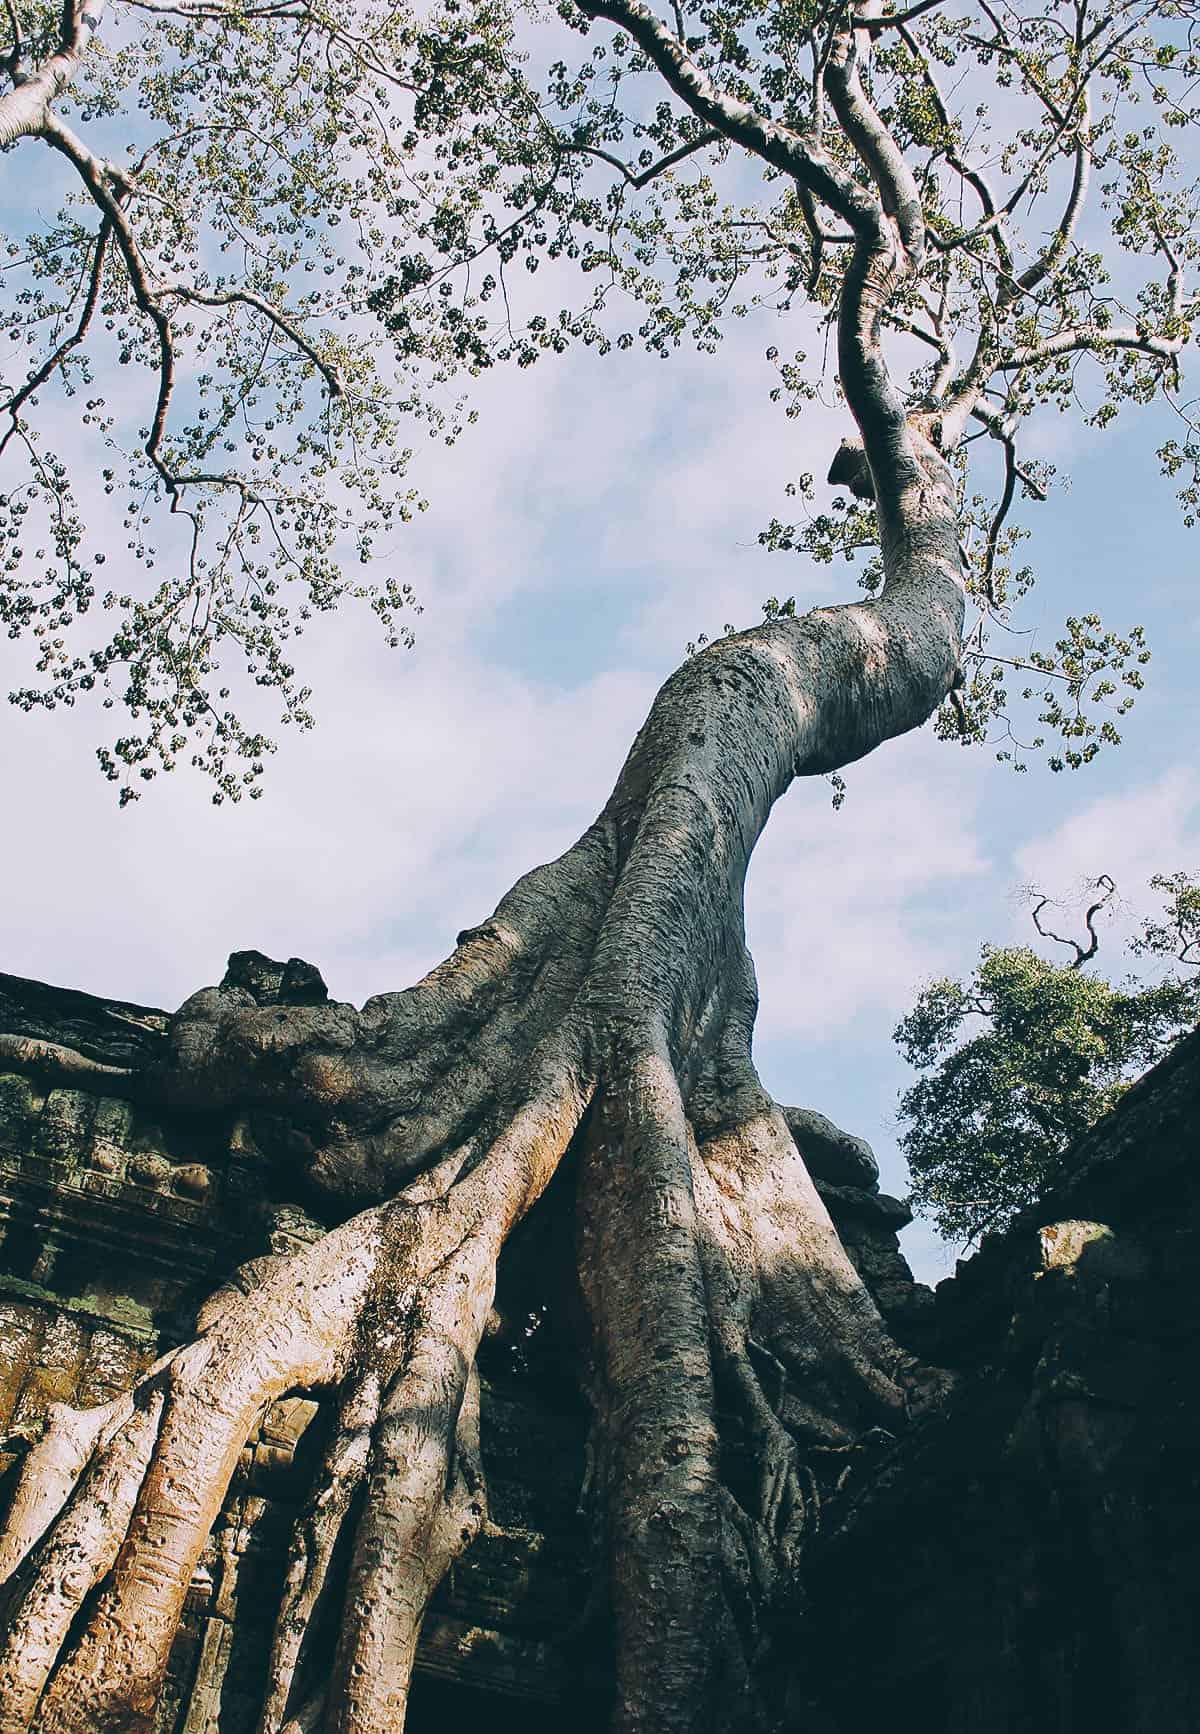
1026 1055
291 234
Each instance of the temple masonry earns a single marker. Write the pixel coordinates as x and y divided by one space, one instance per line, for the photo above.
1026 1562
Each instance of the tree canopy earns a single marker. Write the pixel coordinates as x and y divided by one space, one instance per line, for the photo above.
1024 1056
291 234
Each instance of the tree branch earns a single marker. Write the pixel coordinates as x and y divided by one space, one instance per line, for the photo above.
1042 266
995 423
96 175
100 177
1094 340
877 149
1001 513
894 20
971 176
642 178
16 54
96 276
795 153
883 253
25 108
1083 954
281 322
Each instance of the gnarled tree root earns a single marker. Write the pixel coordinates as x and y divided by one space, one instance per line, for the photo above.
728 1326
715 1285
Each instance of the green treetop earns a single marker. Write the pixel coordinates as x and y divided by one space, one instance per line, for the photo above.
1024 1056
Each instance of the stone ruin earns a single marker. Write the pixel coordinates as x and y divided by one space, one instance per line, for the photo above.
1025 1562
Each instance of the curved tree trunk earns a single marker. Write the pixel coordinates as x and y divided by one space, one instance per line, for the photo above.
615 979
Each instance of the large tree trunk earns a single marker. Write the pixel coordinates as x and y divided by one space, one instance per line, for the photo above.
605 1010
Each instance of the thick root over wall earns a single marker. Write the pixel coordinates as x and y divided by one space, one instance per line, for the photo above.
606 1010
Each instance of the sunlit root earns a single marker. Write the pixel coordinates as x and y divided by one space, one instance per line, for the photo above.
76 1552
317 1532
295 1331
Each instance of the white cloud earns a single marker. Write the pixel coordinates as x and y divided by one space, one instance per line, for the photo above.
1148 828
835 905
433 779
428 787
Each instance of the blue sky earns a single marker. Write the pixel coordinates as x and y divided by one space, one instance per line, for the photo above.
600 514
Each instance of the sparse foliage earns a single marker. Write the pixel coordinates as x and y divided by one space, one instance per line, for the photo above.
290 234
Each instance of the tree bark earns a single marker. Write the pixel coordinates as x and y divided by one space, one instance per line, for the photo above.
615 979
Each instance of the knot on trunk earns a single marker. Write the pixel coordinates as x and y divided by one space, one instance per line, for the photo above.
850 469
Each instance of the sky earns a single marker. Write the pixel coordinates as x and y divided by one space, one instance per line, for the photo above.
600 514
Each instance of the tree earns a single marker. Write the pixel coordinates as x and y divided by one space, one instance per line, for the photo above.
1024 1057
599 1024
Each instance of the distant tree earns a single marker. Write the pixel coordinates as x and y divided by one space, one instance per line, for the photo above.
1027 1054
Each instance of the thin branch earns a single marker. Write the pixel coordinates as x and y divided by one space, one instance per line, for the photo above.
1063 122
895 20
20 398
289 10
1083 954
1016 662
281 322
1001 513
795 153
997 427
100 178
971 176
642 178
16 54
808 210
96 175
1041 268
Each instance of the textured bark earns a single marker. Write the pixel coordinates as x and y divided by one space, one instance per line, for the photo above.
615 978
605 1010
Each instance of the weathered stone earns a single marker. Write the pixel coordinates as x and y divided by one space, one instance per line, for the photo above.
1027 1560
148 1168
19 1106
112 1031
269 982
192 1179
846 1203
831 1154
64 1128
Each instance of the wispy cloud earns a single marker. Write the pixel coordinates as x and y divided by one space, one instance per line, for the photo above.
846 910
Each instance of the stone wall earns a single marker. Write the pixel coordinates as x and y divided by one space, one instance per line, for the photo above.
1028 1562
1025 1562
